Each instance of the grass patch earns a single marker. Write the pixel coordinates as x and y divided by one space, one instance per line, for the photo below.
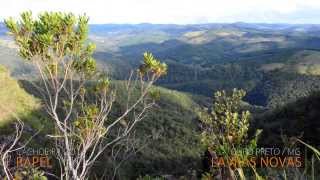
14 101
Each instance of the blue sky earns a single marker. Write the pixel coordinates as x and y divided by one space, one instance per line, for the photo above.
175 11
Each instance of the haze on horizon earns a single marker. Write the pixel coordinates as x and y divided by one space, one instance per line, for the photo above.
175 11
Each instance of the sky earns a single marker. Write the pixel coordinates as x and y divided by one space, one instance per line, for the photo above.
175 11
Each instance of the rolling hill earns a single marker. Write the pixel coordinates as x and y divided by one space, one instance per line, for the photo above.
296 119
203 58
14 101
167 132
170 134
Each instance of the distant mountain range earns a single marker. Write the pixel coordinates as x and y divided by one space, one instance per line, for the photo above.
206 57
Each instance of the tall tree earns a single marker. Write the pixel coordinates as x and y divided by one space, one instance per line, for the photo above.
76 97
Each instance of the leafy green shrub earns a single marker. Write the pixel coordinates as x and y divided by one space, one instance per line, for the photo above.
225 130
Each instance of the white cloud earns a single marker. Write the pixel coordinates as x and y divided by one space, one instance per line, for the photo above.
166 11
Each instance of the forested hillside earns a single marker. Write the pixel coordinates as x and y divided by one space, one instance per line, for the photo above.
164 142
208 57
270 62
296 119
278 66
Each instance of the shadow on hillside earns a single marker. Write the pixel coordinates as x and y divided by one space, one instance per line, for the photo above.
300 118
29 87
